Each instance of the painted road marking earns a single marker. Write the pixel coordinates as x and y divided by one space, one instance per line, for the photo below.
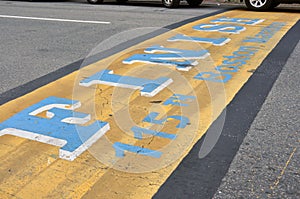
234 29
213 41
170 57
165 133
54 19
61 126
148 87
121 147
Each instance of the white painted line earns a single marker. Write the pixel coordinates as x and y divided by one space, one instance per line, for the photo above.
53 19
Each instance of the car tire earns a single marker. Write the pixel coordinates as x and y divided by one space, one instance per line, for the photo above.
122 1
259 5
275 4
171 3
194 3
95 1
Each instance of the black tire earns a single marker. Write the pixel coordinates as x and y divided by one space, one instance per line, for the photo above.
171 3
275 4
194 3
95 1
122 1
259 5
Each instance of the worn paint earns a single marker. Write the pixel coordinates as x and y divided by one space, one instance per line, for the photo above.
30 170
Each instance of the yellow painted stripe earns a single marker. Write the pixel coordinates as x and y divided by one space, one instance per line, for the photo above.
32 170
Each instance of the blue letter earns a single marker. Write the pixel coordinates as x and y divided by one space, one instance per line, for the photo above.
151 119
227 68
138 133
148 87
182 59
58 128
220 28
176 100
220 78
214 41
121 147
245 21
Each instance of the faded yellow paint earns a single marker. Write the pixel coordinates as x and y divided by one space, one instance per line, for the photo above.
283 169
32 170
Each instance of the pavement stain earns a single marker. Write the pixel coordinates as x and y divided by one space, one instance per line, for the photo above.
283 170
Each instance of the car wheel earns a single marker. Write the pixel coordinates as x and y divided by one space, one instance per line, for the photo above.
259 5
171 3
95 1
194 3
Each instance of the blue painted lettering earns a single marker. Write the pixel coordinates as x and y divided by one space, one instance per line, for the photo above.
121 147
182 59
266 33
213 77
59 127
224 69
138 133
230 65
148 87
220 28
245 21
177 99
214 41
150 118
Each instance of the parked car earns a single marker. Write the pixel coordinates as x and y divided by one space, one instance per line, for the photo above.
261 5
167 3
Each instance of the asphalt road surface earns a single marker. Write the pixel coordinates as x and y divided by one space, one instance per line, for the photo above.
44 46
257 155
